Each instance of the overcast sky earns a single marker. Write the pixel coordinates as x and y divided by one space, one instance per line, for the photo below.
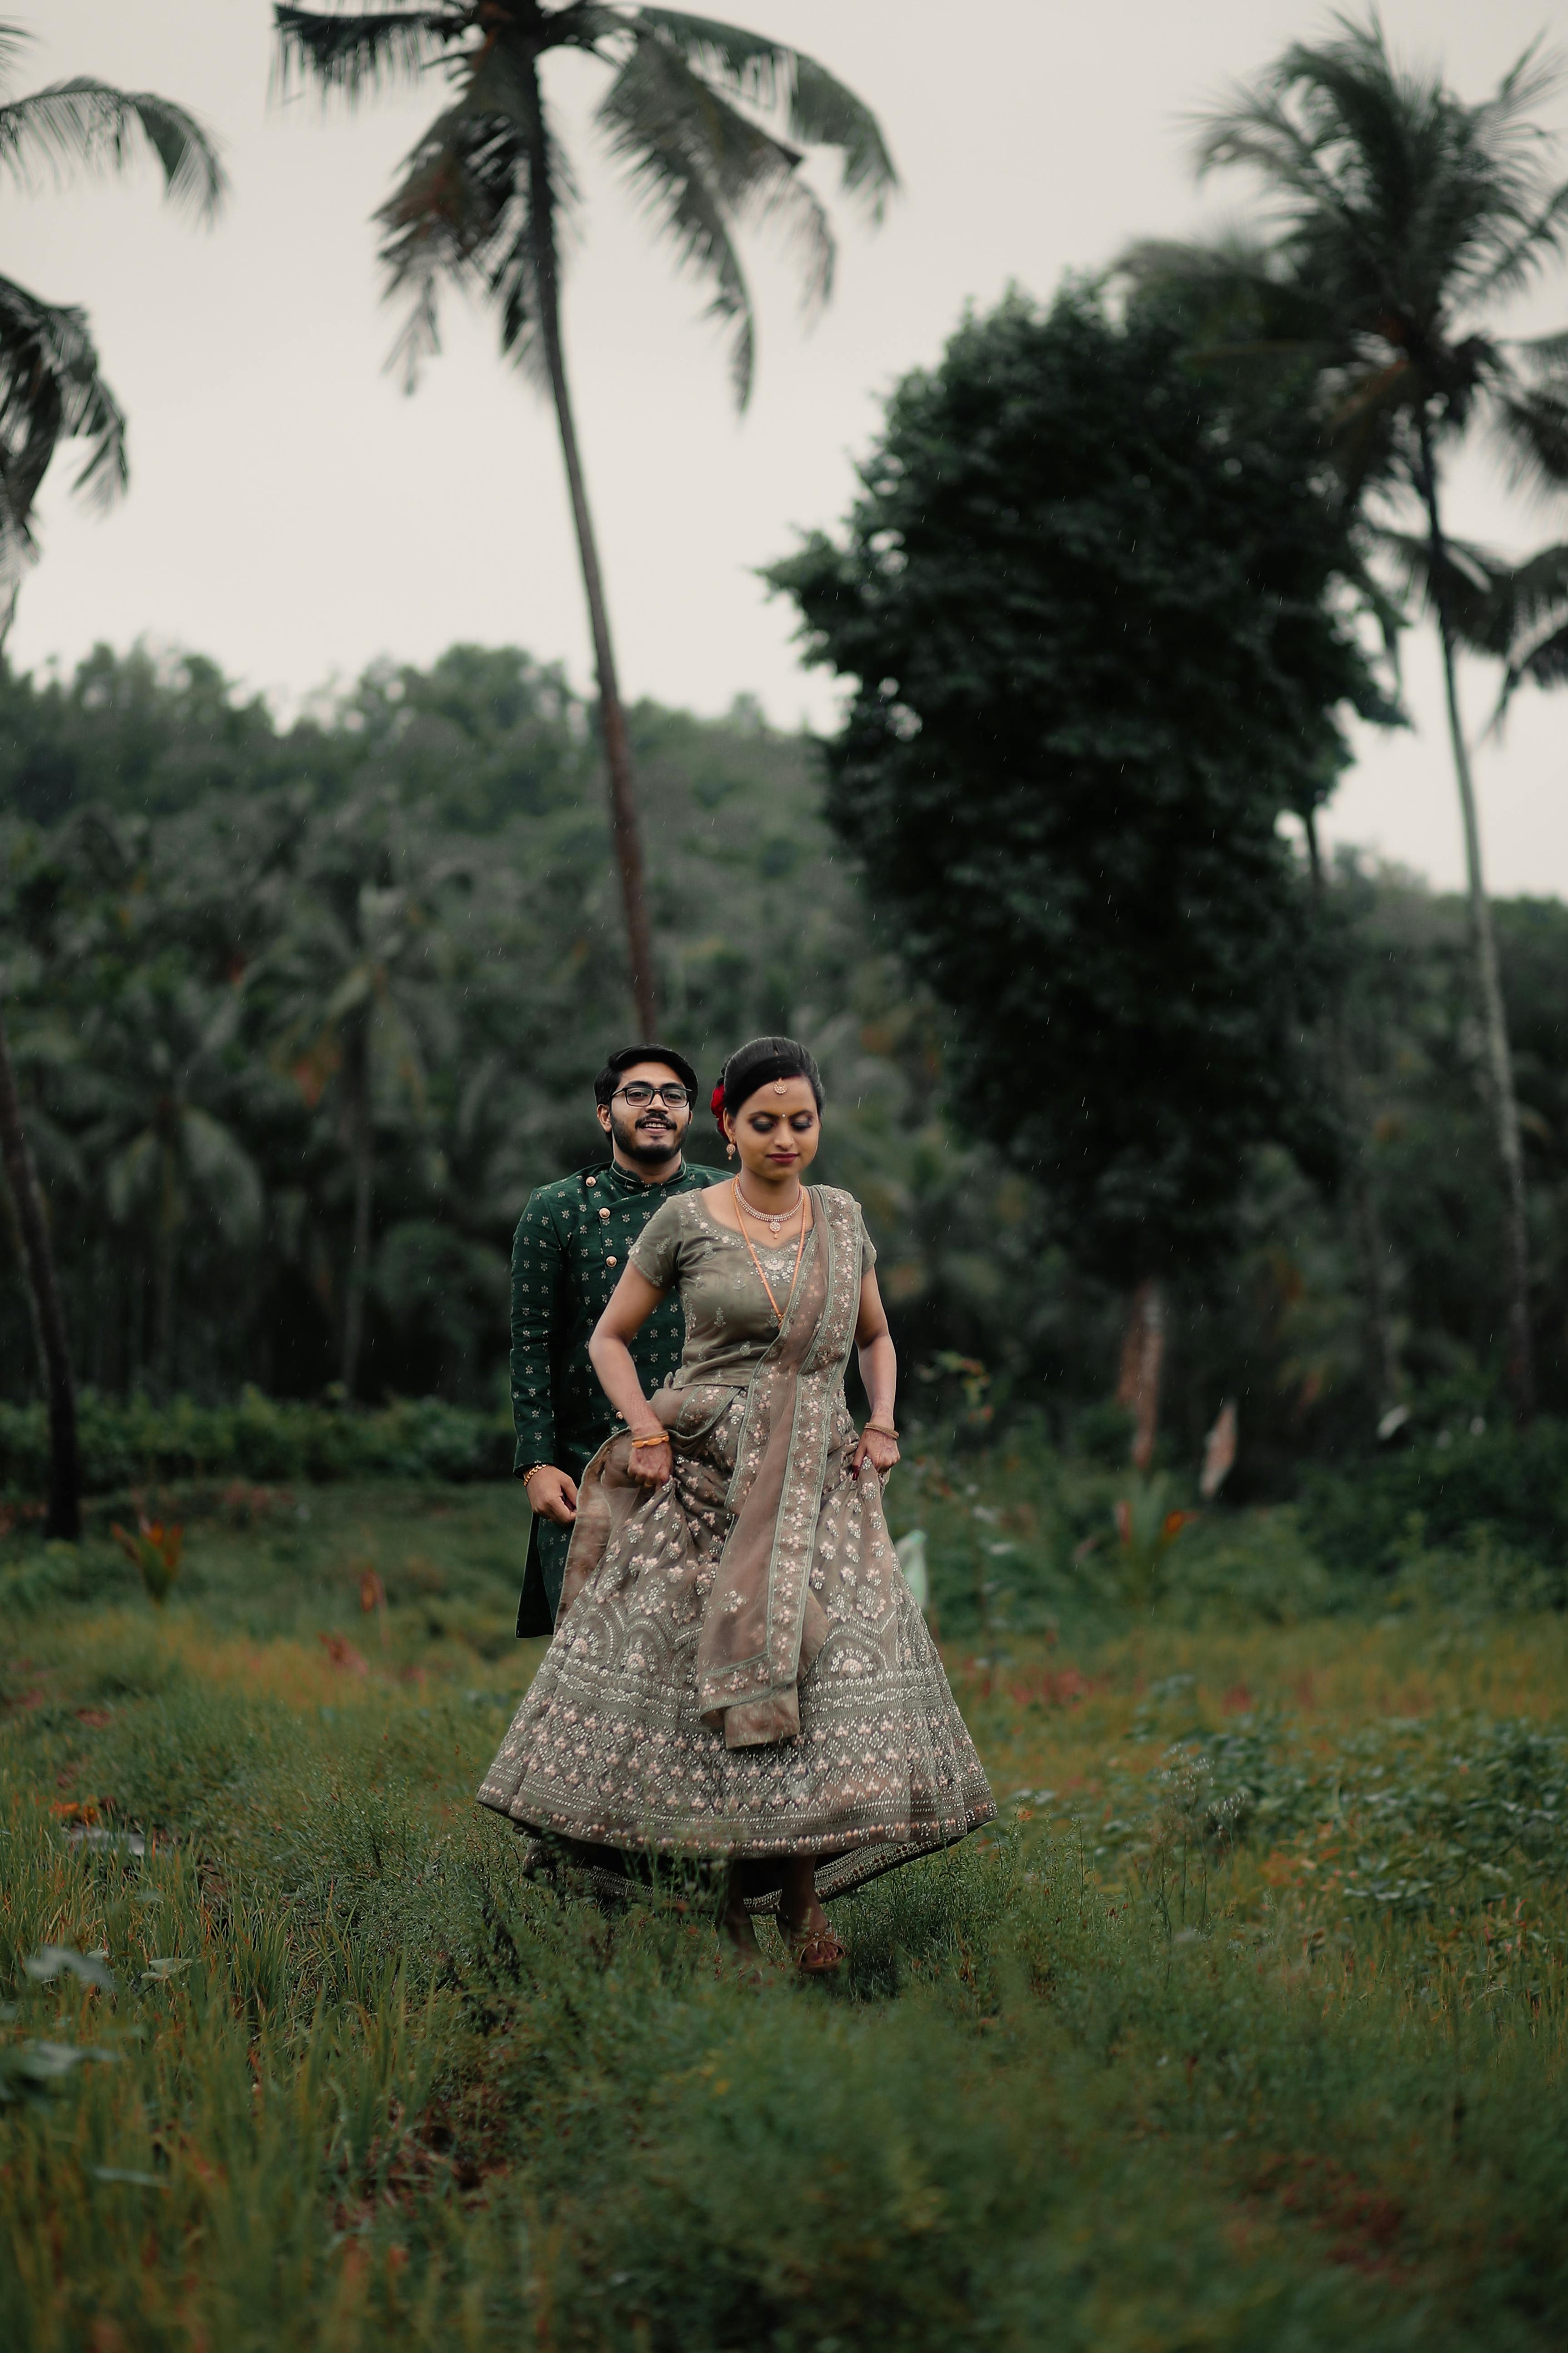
295 515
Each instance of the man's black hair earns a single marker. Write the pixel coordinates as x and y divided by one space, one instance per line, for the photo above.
609 1077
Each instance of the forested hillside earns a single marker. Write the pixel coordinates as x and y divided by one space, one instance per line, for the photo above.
254 969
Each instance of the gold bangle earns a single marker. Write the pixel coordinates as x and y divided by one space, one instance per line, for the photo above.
883 1428
662 1440
533 1467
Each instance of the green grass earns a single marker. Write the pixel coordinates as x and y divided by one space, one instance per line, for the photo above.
1244 2030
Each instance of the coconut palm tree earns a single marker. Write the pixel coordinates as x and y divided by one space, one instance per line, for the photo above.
51 390
485 190
161 1055
352 983
1403 218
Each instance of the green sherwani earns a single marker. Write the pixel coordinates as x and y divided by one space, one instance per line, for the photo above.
567 1256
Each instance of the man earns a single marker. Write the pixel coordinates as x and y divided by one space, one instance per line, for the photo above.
566 1258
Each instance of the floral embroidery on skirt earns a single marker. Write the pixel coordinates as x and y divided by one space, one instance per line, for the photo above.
609 1748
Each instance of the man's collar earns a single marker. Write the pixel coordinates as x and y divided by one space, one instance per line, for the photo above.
625 1181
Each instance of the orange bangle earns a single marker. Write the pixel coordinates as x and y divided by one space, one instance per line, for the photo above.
662 1440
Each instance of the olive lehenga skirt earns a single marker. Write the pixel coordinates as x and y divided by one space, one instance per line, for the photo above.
619 1754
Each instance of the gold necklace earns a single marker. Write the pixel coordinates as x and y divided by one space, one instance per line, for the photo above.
800 1252
766 1217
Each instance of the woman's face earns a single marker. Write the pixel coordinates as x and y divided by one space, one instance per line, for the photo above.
777 1130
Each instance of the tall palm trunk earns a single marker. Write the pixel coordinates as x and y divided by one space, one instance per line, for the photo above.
356 1074
1494 1014
611 715
64 1514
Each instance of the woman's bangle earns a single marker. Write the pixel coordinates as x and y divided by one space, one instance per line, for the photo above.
882 1429
661 1440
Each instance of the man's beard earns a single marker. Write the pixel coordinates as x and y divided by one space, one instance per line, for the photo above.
637 1142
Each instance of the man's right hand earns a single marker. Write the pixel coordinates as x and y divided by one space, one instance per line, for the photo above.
552 1495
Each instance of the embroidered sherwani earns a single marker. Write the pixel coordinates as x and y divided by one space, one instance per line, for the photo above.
572 1242
739 1669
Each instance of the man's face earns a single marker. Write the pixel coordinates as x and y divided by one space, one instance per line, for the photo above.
650 1131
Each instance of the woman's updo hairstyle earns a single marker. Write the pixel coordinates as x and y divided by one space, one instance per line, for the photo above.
757 1064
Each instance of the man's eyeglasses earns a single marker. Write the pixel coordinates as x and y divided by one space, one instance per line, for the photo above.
672 1093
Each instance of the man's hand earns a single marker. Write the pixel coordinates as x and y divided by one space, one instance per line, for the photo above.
552 1495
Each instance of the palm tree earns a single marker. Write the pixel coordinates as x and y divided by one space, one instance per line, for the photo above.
354 1007
1402 217
161 1060
486 190
51 390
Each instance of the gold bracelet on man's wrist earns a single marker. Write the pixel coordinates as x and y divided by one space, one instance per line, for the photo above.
533 1467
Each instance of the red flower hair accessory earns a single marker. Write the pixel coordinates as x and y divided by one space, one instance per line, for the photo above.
716 1105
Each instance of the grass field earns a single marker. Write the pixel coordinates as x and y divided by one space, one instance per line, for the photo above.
1245 2029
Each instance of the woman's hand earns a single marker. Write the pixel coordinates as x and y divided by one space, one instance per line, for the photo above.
651 1466
877 1448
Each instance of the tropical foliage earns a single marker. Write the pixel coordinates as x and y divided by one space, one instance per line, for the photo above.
1398 220
172 1002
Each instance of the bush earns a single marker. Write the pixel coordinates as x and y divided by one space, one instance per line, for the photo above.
125 1443
1511 1482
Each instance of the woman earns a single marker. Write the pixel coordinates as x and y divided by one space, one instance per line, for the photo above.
739 1669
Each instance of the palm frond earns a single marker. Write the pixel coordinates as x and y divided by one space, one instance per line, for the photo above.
1544 665
89 123
350 56
820 110
1544 358
1519 257
1473 582
50 391
14 39
1532 421
464 210
1537 588
700 164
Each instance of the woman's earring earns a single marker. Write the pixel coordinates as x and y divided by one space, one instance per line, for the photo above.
729 1149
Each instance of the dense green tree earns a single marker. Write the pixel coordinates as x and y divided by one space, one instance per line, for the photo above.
52 390
487 189
1085 606
1401 219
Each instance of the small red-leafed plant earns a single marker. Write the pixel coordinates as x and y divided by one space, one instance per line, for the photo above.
156 1547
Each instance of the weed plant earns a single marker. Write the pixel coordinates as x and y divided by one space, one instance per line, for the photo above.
1244 2029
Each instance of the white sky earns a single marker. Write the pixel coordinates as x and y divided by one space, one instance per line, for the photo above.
292 513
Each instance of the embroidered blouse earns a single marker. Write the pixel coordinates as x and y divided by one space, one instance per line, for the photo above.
730 1320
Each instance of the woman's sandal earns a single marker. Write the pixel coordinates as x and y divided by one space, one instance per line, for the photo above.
816 1952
